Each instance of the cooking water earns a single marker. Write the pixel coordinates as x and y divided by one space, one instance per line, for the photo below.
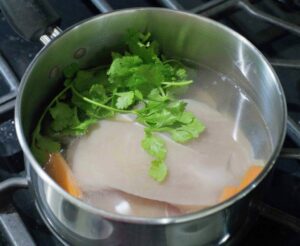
112 168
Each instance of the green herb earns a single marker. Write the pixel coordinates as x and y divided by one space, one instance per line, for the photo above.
63 116
158 170
39 143
71 70
155 146
125 99
139 77
187 131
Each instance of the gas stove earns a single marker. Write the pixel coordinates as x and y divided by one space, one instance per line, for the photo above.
273 26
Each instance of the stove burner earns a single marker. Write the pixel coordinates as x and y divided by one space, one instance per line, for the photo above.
8 89
273 26
291 5
13 229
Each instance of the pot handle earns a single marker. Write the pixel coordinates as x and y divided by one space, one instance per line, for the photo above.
8 186
290 153
293 130
30 18
13 183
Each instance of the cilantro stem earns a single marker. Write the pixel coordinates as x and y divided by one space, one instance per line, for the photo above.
182 83
38 126
162 91
161 129
54 100
100 104
172 60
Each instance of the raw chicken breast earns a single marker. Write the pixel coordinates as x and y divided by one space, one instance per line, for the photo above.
221 141
122 203
111 157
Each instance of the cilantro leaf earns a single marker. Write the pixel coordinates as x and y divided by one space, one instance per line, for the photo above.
40 155
195 127
156 95
63 116
162 114
123 67
160 119
47 144
68 82
181 73
186 117
188 131
81 128
115 55
155 146
177 107
86 78
98 93
140 45
71 70
146 77
158 170
129 72
125 99
181 136
138 95
42 146
89 110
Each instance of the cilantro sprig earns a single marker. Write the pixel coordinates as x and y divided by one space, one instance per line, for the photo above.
140 82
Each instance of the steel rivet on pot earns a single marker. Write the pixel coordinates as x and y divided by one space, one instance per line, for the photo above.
54 72
79 53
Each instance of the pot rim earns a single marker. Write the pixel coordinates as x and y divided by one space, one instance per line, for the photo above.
157 220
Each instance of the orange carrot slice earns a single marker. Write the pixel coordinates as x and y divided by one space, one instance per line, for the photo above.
59 170
228 192
250 175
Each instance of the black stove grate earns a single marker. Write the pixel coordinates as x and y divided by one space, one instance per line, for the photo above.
272 25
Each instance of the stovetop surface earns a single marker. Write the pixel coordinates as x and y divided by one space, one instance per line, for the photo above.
274 42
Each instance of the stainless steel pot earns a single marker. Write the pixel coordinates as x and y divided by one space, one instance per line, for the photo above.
181 35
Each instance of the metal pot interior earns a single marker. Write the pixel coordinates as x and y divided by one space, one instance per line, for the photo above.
181 35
